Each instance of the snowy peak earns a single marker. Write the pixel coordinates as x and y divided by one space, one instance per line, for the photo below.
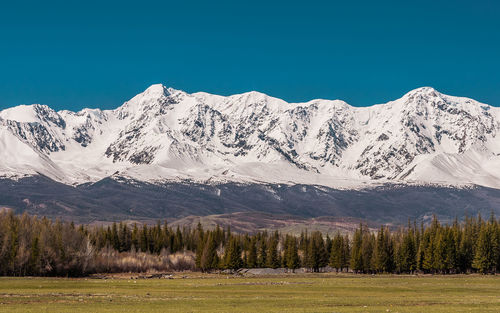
156 90
34 113
153 92
36 125
153 97
422 91
424 123
163 133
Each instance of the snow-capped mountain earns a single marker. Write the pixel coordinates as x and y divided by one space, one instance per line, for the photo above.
167 134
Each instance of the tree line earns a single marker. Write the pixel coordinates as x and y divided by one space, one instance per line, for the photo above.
38 246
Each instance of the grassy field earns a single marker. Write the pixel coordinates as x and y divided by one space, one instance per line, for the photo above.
292 293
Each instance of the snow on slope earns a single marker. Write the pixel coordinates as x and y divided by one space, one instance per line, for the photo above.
165 134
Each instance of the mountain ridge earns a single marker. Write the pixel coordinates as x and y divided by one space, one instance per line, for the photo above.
166 134
119 198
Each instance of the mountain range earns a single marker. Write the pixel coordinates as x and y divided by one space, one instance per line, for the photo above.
165 138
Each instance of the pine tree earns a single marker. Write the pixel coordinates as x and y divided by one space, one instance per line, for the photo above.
328 245
178 241
273 260
135 238
252 253
346 253
356 251
440 262
429 263
367 249
209 259
262 260
233 255
292 256
496 243
485 258
384 253
115 240
408 253
27 243
304 247
125 238
144 239
450 251
200 247
317 252
157 238
336 252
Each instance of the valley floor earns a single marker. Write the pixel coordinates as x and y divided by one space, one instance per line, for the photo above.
195 292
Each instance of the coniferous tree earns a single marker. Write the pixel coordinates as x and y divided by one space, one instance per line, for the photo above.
209 259
262 260
31 246
496 245
422 247
292 256
304 247
124 238
367 249
408 253
178 243
485 258
252 253
346 253
115 241
317 252
328 245
157 238
144 240
200 249
428 262
135 237
233 255
384 253
357 264
450 253
440 252
336 252
273 260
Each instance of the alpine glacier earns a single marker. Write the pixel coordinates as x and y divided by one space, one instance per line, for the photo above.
163 134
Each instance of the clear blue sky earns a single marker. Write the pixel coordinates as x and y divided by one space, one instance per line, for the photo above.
101 53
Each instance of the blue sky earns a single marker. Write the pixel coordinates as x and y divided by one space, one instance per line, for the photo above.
95 54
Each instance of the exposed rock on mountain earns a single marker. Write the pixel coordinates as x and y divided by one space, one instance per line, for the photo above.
166 134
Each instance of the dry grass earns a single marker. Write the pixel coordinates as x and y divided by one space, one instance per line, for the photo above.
194 292
139 262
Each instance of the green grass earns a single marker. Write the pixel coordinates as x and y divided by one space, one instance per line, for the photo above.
301 293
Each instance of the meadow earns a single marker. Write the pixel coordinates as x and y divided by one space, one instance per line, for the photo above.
195 292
